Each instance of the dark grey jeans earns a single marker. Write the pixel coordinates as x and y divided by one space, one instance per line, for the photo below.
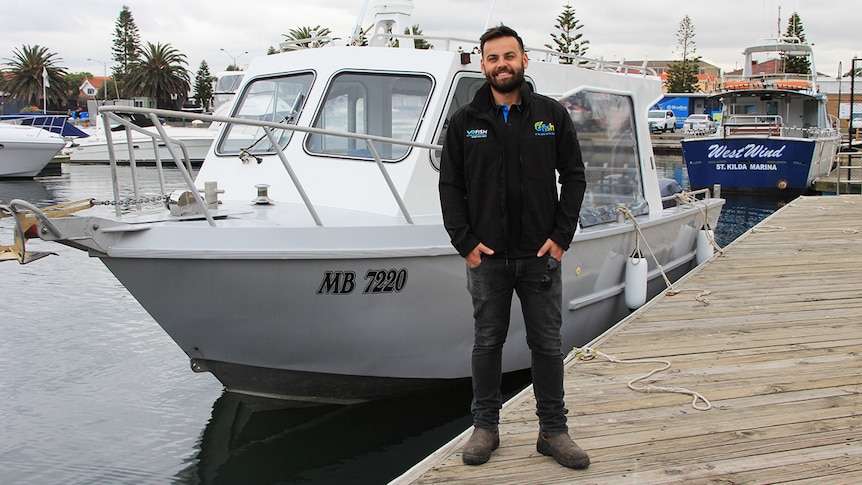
491 285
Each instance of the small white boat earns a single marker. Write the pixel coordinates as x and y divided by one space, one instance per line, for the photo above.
775 133
308 261
26 150
147 143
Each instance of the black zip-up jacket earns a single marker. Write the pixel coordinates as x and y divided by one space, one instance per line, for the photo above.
473 181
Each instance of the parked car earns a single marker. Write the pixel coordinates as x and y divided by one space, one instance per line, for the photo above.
699 124
662 120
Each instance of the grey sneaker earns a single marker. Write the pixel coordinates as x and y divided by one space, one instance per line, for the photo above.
480 445
563 449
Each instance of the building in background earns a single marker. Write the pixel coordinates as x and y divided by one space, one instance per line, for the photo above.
708 76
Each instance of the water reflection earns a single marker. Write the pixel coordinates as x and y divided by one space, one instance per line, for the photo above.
365 443
35 191
741 212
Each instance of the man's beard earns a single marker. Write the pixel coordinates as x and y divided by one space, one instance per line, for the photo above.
507 85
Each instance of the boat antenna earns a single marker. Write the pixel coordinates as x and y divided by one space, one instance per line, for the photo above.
357 29
779 22
490 11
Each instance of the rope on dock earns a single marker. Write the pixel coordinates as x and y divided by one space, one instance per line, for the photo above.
759 228
586 353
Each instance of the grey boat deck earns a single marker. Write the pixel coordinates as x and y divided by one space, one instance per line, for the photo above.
777 352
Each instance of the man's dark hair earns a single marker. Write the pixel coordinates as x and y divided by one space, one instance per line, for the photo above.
497 32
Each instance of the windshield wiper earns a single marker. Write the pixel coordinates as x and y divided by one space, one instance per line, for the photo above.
246 152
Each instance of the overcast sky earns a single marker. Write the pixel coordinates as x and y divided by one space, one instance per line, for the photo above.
616 29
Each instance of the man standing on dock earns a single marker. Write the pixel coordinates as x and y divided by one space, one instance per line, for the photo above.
498 194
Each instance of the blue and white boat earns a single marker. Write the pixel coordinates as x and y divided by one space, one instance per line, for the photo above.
27 144
775 132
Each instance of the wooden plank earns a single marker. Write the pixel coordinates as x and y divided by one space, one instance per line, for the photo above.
777 352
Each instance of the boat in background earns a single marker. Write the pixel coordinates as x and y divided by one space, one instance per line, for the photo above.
225 87
26 150
147 143
774 133
308 261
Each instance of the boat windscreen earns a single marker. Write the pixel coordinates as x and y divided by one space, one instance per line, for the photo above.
605 124
277 100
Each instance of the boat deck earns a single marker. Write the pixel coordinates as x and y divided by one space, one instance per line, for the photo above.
777 351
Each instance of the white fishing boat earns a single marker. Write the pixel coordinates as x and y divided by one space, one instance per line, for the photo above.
308 260
26 150
775 133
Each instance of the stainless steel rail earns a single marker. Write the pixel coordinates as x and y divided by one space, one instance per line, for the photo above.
109 113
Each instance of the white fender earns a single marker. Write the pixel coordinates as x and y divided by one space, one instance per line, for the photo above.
704 245
636 281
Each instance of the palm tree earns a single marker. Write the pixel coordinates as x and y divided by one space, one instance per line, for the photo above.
160 74
302 33
24 76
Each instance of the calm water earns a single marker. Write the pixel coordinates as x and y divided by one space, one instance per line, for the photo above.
93 391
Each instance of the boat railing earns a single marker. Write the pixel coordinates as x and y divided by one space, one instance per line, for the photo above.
848 171
180 157
770 126
307 43
457 44
755 125
678 198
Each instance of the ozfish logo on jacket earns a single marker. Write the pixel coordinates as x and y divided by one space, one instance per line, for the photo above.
477 133
544 129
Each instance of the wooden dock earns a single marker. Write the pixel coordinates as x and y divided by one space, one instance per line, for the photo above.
777 352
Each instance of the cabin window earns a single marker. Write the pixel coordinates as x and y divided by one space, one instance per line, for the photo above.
277 100
225 87
772 108
605 124
382 104
465 90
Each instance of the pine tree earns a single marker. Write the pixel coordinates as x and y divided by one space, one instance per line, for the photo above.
127 46
682 75
569 40
796 64
204 86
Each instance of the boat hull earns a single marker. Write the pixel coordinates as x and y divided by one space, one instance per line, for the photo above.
352 329
95 149
25 158
757 163
98 152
